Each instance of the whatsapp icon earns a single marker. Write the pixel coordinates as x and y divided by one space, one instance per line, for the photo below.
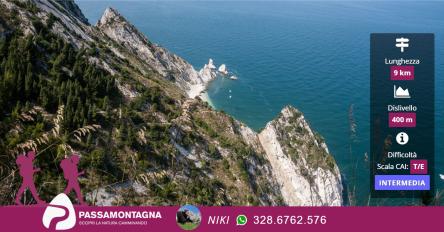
241 220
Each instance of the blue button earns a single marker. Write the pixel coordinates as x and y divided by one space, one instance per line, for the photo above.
402 182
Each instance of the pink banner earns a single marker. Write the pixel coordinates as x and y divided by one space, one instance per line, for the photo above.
402 120
29 218
402 73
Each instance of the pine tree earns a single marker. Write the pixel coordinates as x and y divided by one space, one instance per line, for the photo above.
29 81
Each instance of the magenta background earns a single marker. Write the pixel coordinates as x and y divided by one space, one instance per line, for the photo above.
402 124
418 171
402 68
28 218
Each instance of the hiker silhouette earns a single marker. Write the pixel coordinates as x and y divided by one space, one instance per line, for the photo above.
71 173
24 162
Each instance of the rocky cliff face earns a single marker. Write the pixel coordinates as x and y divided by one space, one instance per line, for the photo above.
206 155
158 58
71 7
301 163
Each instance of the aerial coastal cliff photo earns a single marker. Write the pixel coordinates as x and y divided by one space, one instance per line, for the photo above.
205 103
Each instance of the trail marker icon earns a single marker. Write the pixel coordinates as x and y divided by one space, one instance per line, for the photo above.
402 43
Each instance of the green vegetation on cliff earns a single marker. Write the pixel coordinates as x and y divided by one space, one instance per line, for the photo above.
56 98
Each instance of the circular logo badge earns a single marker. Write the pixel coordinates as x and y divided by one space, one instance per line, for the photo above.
188 217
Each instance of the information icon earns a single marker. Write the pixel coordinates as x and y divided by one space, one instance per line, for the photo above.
402 138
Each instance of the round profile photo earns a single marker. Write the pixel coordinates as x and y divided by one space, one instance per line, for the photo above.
188 217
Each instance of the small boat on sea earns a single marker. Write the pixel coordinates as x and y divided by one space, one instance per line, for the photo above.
223 69
233 77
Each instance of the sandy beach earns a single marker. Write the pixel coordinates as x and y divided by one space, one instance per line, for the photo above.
206 98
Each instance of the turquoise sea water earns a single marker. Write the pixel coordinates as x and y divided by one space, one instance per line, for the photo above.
312 55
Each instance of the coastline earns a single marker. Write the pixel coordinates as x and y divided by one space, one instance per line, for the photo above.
207 74
206 98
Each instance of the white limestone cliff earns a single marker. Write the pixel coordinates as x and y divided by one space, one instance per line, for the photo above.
301 164
160 59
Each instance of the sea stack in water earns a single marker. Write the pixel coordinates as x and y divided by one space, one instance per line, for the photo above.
223 69
211 64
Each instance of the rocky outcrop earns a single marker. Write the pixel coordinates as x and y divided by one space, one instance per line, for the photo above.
158 58
73 9
306 172
71 25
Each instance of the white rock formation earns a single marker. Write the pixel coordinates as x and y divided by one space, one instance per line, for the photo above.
223 69
303 182
160 59
211 65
